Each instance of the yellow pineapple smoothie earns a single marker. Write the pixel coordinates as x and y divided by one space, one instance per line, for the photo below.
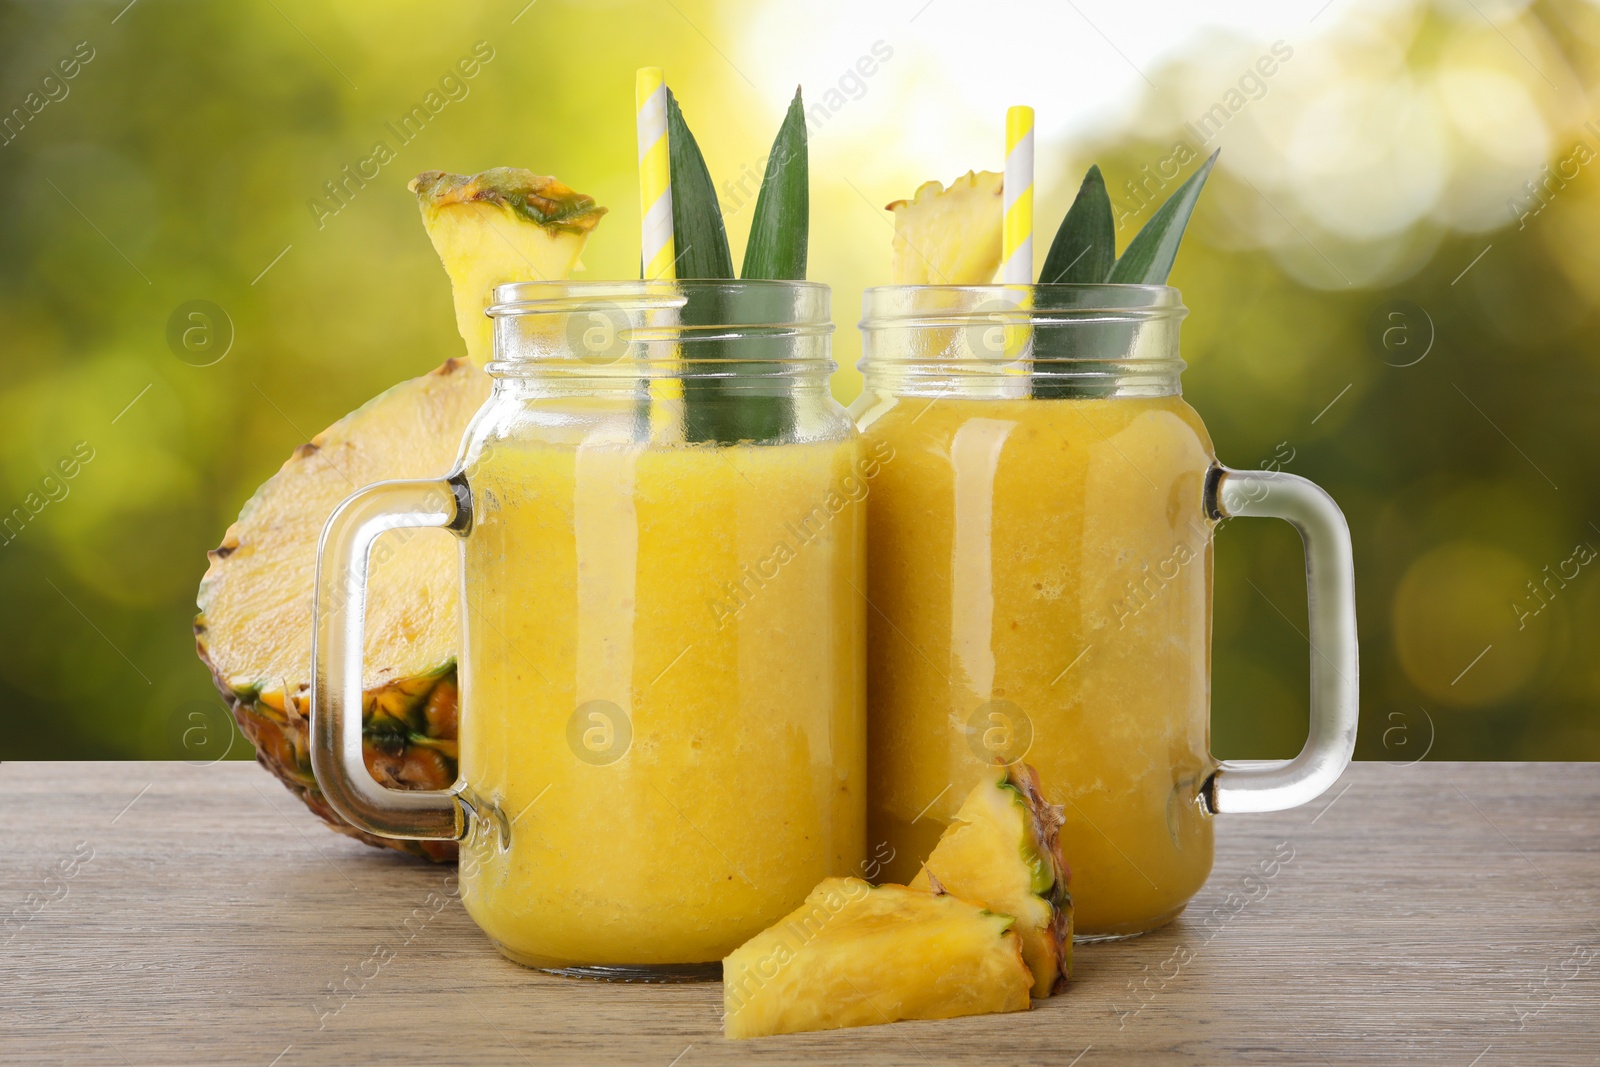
665 682
1040 571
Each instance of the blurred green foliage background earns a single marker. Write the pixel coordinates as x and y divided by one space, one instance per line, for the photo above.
1390 294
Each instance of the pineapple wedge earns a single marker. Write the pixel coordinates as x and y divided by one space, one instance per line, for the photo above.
1003 852
949 236
504 225
253 630
857 955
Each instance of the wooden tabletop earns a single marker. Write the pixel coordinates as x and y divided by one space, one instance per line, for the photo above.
159 913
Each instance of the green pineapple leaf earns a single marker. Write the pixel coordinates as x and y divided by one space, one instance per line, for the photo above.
1085 248
744 403
1149 256
700 242
780 229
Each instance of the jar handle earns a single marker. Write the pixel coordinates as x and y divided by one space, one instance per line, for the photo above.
1273 785
338 648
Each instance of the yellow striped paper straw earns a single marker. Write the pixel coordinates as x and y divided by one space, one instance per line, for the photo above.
1017 243
657 248
1018 251
655 175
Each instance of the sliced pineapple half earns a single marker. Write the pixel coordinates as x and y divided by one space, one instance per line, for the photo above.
1003 851
504 225
949 236
254 626
857 955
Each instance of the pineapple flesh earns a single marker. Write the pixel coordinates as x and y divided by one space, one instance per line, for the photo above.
1003 852
949 236
857 955
254 626
504 225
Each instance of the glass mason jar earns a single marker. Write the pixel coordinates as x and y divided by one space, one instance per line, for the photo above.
1039 550
663 736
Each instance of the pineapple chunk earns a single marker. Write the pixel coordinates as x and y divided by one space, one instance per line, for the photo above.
855 955
1003 852
504 225
949 236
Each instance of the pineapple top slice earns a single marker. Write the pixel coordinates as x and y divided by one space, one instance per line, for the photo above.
504 225
949 236
1003 851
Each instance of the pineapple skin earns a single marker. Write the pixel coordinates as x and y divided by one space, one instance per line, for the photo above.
858 955
279 727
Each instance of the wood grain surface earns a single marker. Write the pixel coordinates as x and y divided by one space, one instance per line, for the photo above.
158 913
